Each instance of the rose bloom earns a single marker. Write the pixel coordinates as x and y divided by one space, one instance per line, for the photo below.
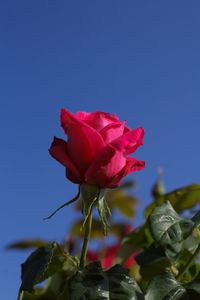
97 148
107 257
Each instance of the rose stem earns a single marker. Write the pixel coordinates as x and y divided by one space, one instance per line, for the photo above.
189 263
86 239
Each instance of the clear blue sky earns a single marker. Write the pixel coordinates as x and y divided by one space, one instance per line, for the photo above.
139 59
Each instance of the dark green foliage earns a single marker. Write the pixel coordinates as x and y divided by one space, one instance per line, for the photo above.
181 199
166 251
41 264
92 283
122 286
164 287
152 261
169 229
136 240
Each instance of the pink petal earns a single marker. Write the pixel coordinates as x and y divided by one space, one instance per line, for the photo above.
127 129
105 167
132 165
82 115
99 119
112 131
58 150
84 142
130 141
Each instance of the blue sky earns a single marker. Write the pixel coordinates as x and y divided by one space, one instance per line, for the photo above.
138 59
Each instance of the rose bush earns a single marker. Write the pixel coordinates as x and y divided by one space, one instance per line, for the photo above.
97 148
162 253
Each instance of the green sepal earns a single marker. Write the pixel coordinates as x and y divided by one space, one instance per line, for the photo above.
117 229
63 205
92 196
89 196
104 213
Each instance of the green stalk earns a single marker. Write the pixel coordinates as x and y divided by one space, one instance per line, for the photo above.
88 226
20 294
189 263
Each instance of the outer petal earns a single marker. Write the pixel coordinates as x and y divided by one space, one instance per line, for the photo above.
99 119
112 131
105 167
127 129
131 165
58 150
82 115
129 141
84 142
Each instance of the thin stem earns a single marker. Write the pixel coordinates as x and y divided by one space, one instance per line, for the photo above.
189 263
88 226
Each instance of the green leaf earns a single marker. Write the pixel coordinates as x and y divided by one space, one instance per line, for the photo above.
196 218
193 290
168 228
152 262
126 185
191 242
40 294
136 240
41 264
27 244
139 237
164 287
50 291
54 286
181 199
122 286
117 200
180 263
92 283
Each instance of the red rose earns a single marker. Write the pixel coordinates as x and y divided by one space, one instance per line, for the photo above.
97 148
